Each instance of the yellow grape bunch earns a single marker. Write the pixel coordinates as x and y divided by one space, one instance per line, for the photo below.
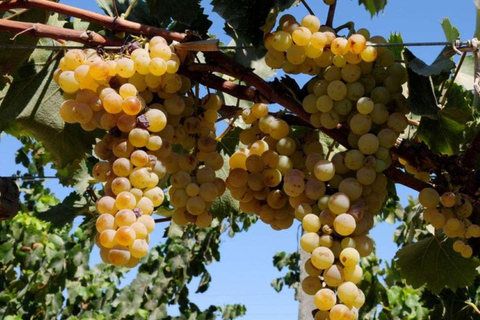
450 212
334 196
142 103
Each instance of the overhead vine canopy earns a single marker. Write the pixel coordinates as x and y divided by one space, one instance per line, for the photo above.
116 102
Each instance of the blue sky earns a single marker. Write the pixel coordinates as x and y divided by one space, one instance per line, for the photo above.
244 273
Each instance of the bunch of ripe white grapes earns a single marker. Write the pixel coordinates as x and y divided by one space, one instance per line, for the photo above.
146 108
280 178
449 212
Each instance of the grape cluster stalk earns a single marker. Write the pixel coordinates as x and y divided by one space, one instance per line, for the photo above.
147 110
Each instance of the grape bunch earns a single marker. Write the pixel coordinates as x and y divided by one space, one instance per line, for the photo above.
420 175
450 212
359 87
140 100
193 180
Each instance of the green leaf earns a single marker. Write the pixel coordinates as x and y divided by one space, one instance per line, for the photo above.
139 12
247 17
421 99
434 263
465 76
180 15
204 282
65 212
32 106
441 65
442 135
396 38
451 32
277 284
373 6
11 59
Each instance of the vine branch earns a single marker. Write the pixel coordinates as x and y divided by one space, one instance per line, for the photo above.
258 90
331 14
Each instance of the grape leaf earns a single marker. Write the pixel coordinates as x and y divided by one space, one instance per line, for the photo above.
433 263
373 6
32 106
421 100
139 12
63 213
442 64
180 15
466 74
451 32
247 17
396 38
11 59
442 135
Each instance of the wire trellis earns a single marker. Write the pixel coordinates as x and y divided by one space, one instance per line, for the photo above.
456 44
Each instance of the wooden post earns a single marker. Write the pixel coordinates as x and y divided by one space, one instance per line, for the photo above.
9 198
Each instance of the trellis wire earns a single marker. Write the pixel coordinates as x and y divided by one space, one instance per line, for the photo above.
457 44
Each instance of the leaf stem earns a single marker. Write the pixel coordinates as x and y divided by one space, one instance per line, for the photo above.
16 14
459 66
130 8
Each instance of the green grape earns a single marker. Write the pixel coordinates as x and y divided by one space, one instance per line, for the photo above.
274 59
347 292
301 36
332 73
349 257
325 299
310 285
368 143
282 41
339 46
311 223
365 105
118 256
309 103
351 187
338 203
309 241
351 73
106 204
366 176
120 184
323 103
105 222
322 258
286 146
324 170
344 224
338 161
379 114
343 107
448 199
330 119
354 159
334 275
380 95
320 87
318 40
337 90
429 198
387 138
311 23
355 91
360 124
397 122
357 43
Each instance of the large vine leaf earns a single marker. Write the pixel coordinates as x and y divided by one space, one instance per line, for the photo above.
139 13
434 263
180 15
72 206
31 106
465 76
11 59
373 6
248 17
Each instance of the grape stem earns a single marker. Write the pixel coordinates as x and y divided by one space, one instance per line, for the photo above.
331 14
162 220
257 90
308 7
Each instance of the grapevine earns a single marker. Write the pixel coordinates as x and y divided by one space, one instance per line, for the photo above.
160 150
